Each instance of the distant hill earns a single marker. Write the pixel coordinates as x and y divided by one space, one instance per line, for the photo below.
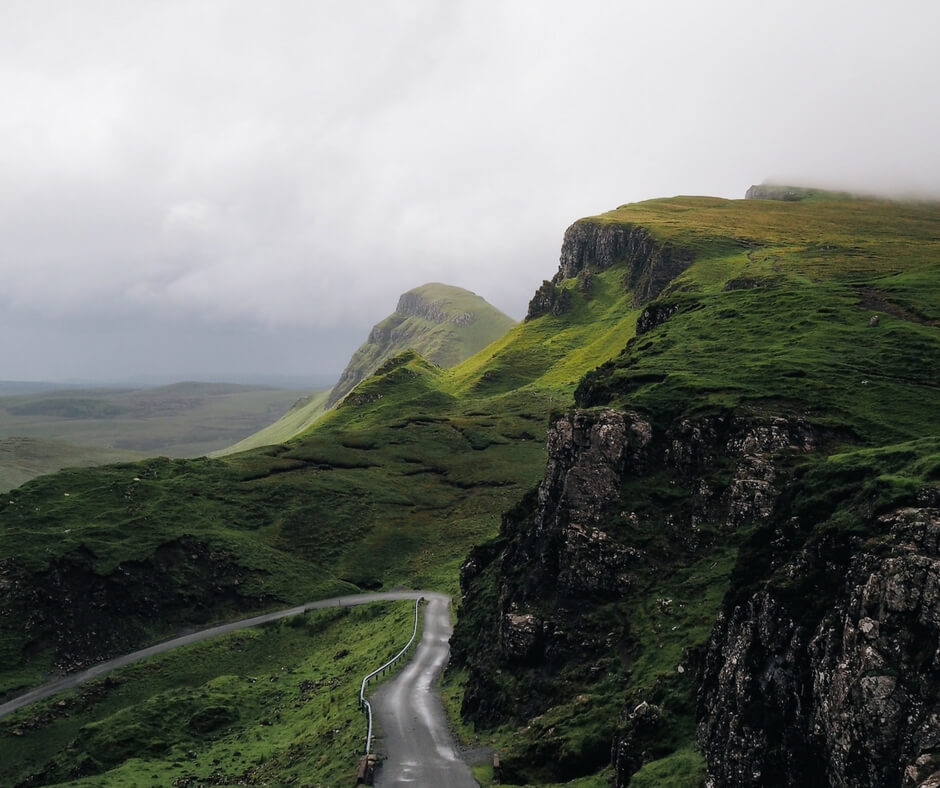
442 323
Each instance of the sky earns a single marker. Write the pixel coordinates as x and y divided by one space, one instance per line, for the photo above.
220 189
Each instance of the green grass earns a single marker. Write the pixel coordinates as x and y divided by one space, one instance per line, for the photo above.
299 418
277 703
419 463
444 337
442 323
685 768
22 459
773 319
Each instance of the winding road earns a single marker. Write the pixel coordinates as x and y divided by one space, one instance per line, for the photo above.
420 748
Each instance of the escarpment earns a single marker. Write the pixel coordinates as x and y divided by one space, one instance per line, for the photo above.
84 616
591 246
828 675
566 593
819 668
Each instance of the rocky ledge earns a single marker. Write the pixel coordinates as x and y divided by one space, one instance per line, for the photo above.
590 247
845 693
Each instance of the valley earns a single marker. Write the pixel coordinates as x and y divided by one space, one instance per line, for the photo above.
671 506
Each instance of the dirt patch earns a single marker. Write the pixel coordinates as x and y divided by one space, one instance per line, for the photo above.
878 302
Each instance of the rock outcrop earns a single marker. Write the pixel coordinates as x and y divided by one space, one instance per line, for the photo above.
549 299
767 191
82 616
829 674
576 544
592 246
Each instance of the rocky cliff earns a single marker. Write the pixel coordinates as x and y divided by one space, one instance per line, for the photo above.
590 246
444 324
822 666
728 574
828 674
624 510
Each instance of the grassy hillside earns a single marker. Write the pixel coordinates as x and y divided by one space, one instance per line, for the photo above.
302 414
770 324
420 463
22 459
445 324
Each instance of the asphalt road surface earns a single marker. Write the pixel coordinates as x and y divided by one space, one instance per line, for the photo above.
74 679
420 750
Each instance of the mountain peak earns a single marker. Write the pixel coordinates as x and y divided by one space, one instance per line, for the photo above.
444 323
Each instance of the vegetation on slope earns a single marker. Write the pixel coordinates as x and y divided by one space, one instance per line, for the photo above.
418 463
22 459
772 320
445 324
302 414
271 705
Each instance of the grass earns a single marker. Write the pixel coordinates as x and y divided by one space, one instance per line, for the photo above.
275 703
22 459
302 414
443 336
771 319
444 324
419 464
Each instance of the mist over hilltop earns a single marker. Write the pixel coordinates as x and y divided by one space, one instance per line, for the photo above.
221 186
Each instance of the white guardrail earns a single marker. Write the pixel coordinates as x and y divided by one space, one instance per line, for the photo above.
363 703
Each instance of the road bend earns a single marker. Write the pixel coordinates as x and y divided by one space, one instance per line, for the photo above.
420 750
102 668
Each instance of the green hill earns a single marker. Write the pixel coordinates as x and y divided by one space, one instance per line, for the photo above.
445 324
738 411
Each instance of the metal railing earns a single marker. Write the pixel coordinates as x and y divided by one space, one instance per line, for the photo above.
363 703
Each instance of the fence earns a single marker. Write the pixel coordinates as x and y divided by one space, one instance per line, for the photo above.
363 703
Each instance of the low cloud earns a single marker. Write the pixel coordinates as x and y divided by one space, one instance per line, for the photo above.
288 170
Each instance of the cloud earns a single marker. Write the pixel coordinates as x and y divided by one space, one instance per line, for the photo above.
290 168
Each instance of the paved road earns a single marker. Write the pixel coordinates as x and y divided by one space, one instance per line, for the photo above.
74 679
421 752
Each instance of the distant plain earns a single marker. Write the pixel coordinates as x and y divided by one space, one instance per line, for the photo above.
45 428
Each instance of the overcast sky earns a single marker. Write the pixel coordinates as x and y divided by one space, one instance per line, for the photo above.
203 188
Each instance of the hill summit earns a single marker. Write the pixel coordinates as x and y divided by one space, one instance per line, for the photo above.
442 323
445 324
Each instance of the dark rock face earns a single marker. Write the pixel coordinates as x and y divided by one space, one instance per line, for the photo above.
568 549
548 299
83 615
840 694
654 315
590 247
555 553
639 725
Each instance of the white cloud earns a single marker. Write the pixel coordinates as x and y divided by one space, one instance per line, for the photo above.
294 166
